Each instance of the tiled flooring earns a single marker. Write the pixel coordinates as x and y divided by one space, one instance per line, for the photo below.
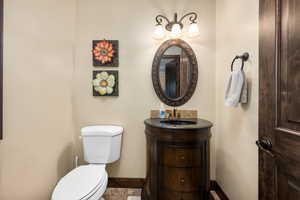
122 194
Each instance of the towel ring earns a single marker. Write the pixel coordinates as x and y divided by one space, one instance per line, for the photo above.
244 58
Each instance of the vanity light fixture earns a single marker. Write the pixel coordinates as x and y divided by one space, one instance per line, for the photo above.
175 27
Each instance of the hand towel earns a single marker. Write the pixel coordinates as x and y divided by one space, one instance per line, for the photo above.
235 88
244 95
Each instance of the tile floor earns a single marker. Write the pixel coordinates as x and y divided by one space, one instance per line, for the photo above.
122 194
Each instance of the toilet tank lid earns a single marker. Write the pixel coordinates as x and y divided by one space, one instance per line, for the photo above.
102 130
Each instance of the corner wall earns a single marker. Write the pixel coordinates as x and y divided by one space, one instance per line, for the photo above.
237 128
41 99
37 148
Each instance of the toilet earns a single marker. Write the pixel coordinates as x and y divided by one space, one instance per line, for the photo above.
101 145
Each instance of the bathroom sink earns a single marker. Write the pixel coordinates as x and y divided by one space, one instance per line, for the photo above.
178 122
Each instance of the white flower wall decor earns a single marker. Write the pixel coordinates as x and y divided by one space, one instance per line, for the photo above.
105 83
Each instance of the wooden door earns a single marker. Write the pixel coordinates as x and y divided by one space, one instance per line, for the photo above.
279 100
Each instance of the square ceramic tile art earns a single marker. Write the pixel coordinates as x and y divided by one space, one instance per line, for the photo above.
105 53
105 83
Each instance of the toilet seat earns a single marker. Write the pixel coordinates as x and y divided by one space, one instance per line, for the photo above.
82 183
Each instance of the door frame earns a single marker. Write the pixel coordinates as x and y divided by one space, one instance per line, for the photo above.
1 66
268 24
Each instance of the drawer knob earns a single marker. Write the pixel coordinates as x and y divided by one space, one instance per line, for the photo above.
182 180
182 157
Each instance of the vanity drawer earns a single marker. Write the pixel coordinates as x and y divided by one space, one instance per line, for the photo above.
181 157
169 195
180 179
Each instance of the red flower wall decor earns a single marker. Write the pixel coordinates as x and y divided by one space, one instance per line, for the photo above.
105 53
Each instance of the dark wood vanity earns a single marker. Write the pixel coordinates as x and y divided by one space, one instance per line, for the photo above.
177 149
177 160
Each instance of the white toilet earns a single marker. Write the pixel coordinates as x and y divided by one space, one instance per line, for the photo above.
101 145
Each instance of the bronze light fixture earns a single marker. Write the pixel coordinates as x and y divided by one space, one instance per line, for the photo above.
175 27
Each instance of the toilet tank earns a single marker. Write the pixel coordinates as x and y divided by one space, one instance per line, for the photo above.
101 144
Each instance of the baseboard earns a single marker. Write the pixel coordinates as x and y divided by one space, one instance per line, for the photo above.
126 182
216 187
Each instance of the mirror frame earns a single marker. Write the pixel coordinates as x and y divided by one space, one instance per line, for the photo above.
193 72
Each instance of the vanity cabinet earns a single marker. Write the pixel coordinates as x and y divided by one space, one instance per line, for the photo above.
177 161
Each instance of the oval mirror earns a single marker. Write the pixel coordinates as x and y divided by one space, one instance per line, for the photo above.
174 72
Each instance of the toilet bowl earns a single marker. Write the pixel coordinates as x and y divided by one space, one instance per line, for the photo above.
86 182
101 145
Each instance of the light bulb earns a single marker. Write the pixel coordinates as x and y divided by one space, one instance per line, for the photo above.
159 32
176 31
193 30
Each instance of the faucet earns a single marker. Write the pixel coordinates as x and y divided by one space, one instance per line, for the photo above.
174 114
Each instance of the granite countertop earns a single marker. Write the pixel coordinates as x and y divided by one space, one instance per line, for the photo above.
200 124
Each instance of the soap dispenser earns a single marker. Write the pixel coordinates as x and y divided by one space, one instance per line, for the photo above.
162 111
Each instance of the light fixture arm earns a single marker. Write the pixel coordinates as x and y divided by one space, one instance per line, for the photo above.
159 19
193 17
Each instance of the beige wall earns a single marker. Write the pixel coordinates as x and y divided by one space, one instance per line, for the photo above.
37 145
237 128
47 80
48 95
132 23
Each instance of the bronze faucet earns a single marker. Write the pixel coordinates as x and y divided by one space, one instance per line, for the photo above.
174 114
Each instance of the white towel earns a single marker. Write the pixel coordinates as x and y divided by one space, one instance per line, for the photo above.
236 91
244 95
